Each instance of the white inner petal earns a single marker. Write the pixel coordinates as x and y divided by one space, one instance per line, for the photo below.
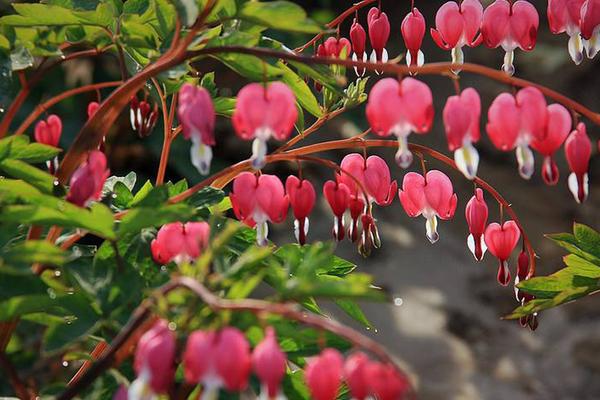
201 155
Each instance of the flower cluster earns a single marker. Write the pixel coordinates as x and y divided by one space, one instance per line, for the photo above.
365 378
215 359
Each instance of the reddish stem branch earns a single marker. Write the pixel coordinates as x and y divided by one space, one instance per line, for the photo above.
37 77
17 384
258 307
42 108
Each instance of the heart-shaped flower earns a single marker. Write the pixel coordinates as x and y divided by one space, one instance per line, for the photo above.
501 241
578 149
400 108
413 31
302 196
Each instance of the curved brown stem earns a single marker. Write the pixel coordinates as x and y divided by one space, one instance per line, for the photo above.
258 307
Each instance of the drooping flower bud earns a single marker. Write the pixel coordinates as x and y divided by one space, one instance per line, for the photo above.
379 33
400 108
515 121
578 149
372 175
356 206
565 16
154 362
510 25
431 196
522 272
258 200
180 242
501 241
557 130
358 37
87 181
461 120
48 132
92 107
262 112
338 197
269 364
142 116
476 214
457 25
324 375
355 375
302 196
197 116
413 31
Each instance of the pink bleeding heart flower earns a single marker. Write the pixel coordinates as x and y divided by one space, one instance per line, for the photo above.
338 197
590 27
142 116
198 359
461 120
48 132
516 121
324 375
379 33
557 130
302 200
456 26
337 47
121 393
369 181
180 242
257 200
358 37
476 213
87 181
413 31
262 112
565 16
92 107
431 196
510 25
154 362
197 116
269 363
385 382
501 241
217 359
232 359
400 108
355 375
578 150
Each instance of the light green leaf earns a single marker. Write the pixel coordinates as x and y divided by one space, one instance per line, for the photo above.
281 15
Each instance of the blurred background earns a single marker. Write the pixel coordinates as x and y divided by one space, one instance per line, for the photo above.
444 323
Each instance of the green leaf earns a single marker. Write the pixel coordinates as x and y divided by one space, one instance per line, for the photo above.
19 148
206 197
34 251
30 174
353 310
224 106
304 95
280 15
588 239
187 10
142 217
248 66
50 15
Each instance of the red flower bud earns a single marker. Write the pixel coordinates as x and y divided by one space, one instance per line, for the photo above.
92 108
379 33
302 198
385 382
355 374
476 213
180 242
578 149
501 241
413 31
232 360
338 197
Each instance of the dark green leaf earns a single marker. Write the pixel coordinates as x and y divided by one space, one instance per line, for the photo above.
142 217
